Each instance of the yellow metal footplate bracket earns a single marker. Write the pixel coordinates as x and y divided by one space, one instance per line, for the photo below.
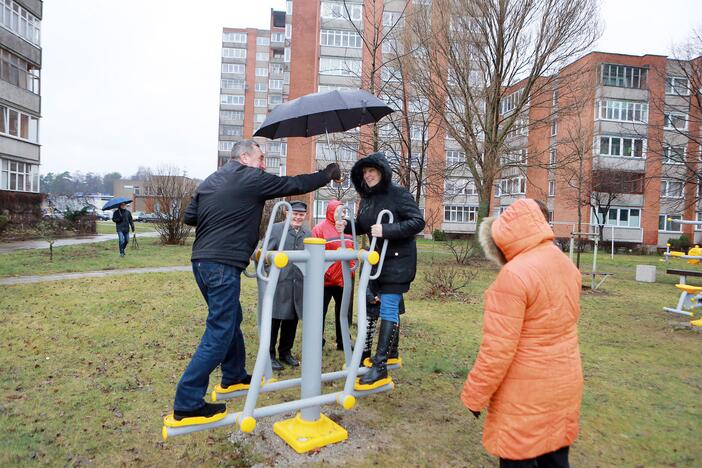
391 362
378 383
304 436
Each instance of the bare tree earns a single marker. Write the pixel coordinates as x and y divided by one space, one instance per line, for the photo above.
168 193
484 62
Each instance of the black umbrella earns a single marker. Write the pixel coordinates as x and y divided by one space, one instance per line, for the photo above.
320 113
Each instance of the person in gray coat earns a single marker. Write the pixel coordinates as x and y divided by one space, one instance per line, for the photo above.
288 293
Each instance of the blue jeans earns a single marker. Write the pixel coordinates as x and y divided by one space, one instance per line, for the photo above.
123 237
222 343
390 307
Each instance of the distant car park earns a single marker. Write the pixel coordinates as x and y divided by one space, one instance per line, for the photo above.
149 218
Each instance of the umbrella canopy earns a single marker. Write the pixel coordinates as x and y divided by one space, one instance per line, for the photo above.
115 202
319 113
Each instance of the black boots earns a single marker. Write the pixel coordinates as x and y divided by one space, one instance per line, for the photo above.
207 411
275 364
370 333
380 361
394 352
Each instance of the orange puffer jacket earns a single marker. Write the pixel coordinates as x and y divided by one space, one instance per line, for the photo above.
528 371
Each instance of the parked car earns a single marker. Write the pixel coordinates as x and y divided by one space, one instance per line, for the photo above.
149 217
137 215
51 214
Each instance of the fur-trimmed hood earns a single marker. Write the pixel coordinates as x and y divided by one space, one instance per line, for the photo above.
519 228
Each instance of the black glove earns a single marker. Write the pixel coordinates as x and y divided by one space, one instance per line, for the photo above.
333 171
475 413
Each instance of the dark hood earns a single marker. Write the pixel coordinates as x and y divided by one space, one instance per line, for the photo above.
378 161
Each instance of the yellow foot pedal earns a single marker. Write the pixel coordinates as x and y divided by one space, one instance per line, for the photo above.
391 362
171 421
372 386
696 323
304 436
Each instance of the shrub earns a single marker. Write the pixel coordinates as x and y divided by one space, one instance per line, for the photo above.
438 235
681 244
447 282
4 222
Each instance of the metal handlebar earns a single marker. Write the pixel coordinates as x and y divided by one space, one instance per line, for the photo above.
385 243
266 239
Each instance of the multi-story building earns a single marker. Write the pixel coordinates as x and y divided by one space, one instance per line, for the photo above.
632 119
254 79
20 107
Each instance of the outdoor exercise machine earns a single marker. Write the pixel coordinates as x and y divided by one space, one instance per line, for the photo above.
309 428
690 300
594 282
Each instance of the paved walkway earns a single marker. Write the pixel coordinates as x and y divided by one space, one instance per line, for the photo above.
41 244
90 274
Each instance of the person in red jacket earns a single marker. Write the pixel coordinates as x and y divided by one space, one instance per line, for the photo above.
333 278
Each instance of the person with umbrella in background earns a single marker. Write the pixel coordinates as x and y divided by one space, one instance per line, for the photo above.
122 217
226 211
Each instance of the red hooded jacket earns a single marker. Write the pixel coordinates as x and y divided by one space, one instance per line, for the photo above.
326 230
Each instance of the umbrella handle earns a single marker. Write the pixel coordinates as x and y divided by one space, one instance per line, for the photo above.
264 248
385 243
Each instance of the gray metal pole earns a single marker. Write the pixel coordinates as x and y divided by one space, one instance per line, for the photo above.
312 299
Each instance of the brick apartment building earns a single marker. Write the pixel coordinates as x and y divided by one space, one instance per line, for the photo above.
20 108
634 113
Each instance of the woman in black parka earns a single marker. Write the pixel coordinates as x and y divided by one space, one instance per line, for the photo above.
372 179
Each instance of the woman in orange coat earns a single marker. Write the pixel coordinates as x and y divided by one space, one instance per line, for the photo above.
528 371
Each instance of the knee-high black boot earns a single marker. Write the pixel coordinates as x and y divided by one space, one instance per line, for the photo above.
394 351
370 334
380 361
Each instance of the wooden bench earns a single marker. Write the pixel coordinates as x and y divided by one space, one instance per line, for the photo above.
683 274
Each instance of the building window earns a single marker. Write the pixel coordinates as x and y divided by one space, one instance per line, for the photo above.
554 127
675 121
511 186
391 18
277 69
277 37
551 188
674 154
343 153
261 86
455 157
226 145
263 41
230 52
459 186
460 213
20 21
258 102
276 84
234 37
337 38
389 73
623 111
19 176
619 217
233 68
671 188
339 66
232 99
620 75
275 99
621 146
274 147
286 54
262 56
677 85
261 71
552 157
18 124
232 84
348 11
259 118
509 103
231 115
517 158
18 72
232 130
667 223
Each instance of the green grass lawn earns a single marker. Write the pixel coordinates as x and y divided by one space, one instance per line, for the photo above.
89 368
96 256
108 227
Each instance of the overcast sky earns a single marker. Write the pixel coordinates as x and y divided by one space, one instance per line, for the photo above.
134 83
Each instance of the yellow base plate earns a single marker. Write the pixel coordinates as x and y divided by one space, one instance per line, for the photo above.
696 323
304 436
170 421
391 362
374 385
